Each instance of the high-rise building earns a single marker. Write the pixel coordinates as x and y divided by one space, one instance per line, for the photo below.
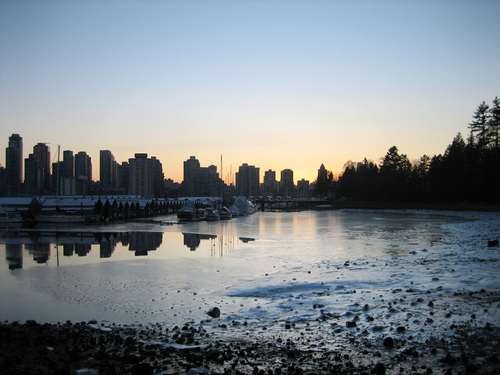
200 181
33 175
247 180
191 171
123 175
14 164
141 176
287 186
107 169
68 165
42 153
270 186
158 178
303 190
83 166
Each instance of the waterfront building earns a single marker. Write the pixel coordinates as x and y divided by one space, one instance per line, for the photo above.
83 166
144 174
14 165
158 178
303 189
270 185
65 171
287 187
107 170
73 186
247 180
33 175
67 167
191 170
123 175
42 152
200 181
3 177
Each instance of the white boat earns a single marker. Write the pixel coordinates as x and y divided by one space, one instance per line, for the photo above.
234 211
188 211
68 217
212 215
10 219
244 206
224 213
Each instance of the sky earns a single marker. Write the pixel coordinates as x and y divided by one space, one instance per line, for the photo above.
275 84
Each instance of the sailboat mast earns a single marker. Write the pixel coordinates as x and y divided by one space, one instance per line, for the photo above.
221 183
57 180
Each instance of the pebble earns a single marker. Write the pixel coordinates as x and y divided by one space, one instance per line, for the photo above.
214 312
379 369
389 342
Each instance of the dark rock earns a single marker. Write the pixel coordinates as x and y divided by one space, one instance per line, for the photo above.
142 369
471 367
379 369
389 342
492 243
465 357
350 324
449 359
214 312
401 329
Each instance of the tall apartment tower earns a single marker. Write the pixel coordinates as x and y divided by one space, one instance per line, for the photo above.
14 164
68 165
108 169
270 186
287 188
33 175
247 180
123 175
42 152
83 166
141 176
158 178
191 171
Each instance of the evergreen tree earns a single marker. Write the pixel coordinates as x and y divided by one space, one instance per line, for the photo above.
394 175
494 123
348 186
479 128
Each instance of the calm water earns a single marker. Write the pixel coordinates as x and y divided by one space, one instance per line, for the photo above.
165 271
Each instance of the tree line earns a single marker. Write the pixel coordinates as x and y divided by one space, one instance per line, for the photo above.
468 171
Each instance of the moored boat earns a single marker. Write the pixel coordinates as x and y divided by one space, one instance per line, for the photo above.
234 211
224 213
212 215
10 219
68 217
188 211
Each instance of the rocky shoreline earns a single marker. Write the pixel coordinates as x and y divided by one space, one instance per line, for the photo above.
88 348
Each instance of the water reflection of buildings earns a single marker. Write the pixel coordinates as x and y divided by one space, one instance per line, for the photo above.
38 244
14 255
219 245
193 240
39 251
143 242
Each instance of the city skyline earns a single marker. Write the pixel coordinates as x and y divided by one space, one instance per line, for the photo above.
279 85
107 158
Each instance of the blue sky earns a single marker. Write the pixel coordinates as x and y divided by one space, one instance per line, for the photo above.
276 84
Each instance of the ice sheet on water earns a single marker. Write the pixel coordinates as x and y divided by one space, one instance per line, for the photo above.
304 267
